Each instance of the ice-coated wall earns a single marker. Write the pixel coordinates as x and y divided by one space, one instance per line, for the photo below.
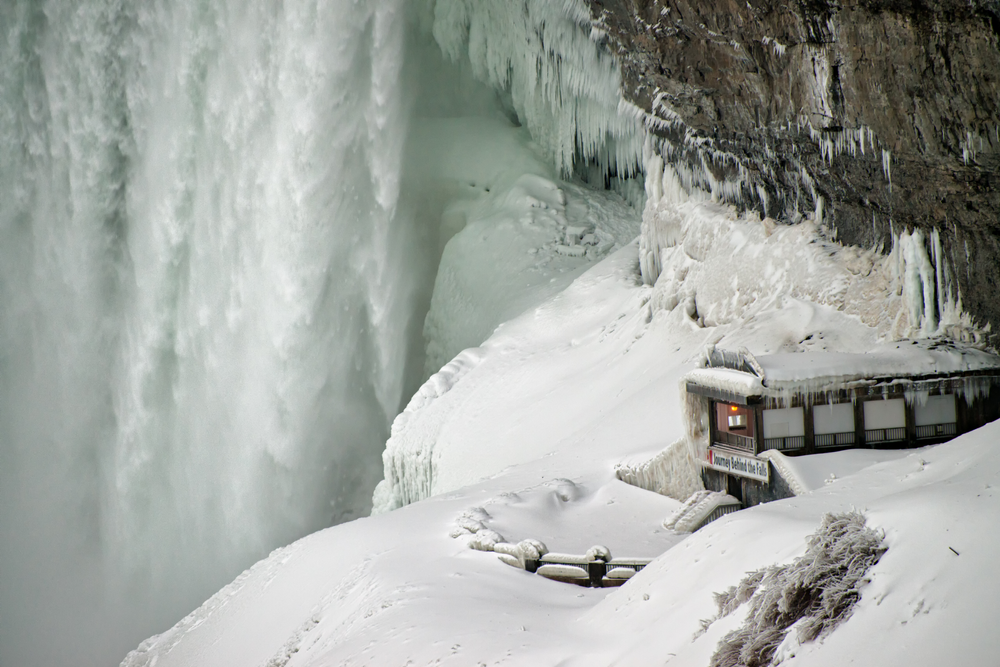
874 118
564 83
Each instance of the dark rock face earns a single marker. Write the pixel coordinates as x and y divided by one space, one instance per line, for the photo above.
887 111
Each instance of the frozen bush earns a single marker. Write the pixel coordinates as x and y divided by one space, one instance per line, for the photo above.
816 592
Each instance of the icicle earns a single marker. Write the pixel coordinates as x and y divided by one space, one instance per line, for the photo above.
565 87
887 167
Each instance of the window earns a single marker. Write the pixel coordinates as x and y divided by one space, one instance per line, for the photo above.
885 420
935 410
734 426
833 418
935 417
833 424
784 428
735 418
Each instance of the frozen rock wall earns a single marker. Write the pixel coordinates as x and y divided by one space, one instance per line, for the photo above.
877 118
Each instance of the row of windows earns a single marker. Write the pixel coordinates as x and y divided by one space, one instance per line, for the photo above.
839 417
833 424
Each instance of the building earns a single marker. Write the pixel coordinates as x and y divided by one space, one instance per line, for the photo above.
907 394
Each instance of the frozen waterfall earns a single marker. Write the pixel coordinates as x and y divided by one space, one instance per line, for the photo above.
207 291
214 271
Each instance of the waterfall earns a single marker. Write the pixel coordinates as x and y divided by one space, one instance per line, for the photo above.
218 241
206 299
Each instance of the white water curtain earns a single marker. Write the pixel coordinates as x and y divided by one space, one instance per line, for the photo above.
205 291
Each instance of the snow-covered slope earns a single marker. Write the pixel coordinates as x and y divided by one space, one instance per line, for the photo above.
608 343
521 436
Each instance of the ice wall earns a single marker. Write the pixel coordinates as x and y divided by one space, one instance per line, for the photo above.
205 292
926 284
563 81
694 255
517 239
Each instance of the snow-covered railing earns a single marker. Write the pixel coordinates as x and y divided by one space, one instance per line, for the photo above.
719 512
594 569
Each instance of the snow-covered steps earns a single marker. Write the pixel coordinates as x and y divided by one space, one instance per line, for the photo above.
700 509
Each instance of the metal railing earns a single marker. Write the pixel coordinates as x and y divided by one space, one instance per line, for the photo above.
728 439
719 512
937 430
835 439
591 573
788 442
885 434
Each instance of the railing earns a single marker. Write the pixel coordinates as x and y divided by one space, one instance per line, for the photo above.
719 512
937 430
885 434
835 439
581 571
788 442
737 441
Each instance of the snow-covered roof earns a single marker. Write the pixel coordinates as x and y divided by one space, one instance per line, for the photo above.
727 380
818 371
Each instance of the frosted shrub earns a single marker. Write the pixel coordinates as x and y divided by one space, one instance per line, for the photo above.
815 593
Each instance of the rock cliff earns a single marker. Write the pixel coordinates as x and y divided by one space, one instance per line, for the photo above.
880 116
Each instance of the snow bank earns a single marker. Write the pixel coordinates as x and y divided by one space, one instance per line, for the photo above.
520 245
396 588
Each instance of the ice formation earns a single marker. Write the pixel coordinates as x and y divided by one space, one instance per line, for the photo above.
217 251
718 267
521 244
564 84
933 306
674 472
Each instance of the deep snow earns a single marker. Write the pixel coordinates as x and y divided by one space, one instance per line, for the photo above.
522 436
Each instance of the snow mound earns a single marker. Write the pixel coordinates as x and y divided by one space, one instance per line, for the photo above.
472 524
815 593
786 470
519 244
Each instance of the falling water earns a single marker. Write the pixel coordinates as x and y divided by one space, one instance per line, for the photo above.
206 299
214 271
